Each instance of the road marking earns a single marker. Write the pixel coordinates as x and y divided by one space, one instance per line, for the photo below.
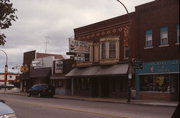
65 108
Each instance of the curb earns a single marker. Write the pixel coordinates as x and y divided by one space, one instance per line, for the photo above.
106 101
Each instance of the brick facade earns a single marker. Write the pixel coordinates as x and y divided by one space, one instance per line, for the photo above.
153 16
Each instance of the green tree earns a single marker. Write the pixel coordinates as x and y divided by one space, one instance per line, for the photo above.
7 15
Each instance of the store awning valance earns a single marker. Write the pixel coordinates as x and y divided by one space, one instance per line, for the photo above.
118 69
40 73
58 78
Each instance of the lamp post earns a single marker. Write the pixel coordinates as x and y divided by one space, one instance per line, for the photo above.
5 69
129 61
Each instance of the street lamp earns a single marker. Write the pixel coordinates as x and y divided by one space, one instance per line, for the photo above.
6 68
130 64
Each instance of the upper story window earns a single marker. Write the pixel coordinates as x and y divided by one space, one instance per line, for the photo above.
177 28
103 47
112 49
109 48
126 52
148 42
164 36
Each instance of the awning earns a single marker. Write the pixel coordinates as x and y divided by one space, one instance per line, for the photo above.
118 69
59 78
40 73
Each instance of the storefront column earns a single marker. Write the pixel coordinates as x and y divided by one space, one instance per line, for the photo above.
137 85
99 88
72 87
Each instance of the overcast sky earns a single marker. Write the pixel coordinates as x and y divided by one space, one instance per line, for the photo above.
53 21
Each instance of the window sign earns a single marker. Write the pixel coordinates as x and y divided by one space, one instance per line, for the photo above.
59 66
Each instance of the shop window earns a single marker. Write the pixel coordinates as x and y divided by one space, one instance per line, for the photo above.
112 49
159 83
148 41
164 36
177 28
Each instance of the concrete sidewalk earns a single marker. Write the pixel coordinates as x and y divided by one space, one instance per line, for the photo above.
122 101
108 100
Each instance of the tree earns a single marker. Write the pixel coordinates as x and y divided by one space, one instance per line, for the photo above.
7 15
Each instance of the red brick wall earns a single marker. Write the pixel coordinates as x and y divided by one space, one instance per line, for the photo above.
153 16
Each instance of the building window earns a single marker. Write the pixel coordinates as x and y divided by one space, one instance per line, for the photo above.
112 49
177 27
148 42
164 35
103 46
158 83
126 52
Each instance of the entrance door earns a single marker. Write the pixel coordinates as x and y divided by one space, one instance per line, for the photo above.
105 87
94 87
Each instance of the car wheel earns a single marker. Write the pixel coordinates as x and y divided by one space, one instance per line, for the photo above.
29 94
39 95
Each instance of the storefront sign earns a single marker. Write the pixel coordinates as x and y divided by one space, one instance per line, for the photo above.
24 68
81 57
37 63
78 46
59 66
160 67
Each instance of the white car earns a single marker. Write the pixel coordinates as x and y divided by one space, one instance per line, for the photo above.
6 111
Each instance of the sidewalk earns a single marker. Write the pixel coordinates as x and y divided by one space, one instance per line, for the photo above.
108 100
122 101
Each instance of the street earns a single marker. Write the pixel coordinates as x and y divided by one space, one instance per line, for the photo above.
34 107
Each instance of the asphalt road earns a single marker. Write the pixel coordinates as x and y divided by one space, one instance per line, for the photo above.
34 107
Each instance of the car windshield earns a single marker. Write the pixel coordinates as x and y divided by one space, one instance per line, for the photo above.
39 86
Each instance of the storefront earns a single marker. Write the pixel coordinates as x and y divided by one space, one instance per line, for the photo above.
158 80
100 81
40 75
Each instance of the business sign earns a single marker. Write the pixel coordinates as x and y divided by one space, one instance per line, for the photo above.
58 66
37 63
78 46
169 66
81 57
24 68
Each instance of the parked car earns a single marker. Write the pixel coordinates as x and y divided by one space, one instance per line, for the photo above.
42 90
6 111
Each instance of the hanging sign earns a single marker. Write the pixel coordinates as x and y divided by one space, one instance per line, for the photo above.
78 46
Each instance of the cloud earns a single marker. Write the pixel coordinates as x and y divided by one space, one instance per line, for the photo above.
53 21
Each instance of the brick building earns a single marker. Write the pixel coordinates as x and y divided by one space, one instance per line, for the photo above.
103 73
39 67
157 44
154 39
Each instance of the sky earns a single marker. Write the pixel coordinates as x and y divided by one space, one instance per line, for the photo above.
52 22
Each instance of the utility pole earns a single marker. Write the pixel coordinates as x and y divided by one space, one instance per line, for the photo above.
129 61
5 70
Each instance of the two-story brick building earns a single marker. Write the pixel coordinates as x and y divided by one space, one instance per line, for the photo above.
157 40
104 73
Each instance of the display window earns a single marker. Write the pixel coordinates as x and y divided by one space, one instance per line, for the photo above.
159 83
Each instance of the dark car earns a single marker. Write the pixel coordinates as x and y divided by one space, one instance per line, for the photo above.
42 90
